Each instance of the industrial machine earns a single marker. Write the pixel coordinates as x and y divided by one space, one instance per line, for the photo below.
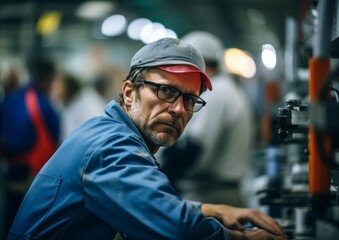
307 191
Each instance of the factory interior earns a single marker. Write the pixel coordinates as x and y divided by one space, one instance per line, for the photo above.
283 53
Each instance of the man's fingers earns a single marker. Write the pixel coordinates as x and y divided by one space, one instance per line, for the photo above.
237 226
260 234
267 223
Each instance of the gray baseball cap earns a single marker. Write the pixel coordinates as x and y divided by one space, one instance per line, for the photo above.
171 55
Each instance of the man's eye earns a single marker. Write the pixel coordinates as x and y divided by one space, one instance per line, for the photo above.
190 99
165 90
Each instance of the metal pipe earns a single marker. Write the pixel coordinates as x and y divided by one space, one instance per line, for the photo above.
323 31
319 172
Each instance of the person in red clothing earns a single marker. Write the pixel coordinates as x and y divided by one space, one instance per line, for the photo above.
29 130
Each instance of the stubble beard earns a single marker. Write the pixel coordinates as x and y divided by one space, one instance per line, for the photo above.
150 137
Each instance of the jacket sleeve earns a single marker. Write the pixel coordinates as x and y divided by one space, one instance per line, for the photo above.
124 187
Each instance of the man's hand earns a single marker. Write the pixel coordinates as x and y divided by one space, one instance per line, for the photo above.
254 234
233 218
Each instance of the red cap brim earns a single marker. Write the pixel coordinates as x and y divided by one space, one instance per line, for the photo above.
187 69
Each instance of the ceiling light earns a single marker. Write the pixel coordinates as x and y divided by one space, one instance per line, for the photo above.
268 56
114 25
134 28
239 62
171 33
146 32
152 32
95 9
48 22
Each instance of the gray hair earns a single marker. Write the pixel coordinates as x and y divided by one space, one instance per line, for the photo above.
136 76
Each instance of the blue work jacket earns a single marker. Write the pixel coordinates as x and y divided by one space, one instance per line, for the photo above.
103 179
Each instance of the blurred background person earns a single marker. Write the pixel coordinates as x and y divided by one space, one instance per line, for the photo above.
78 101
10 80
210 159
29 131
10 76
102 83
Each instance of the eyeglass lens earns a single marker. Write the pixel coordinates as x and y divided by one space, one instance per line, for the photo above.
170 94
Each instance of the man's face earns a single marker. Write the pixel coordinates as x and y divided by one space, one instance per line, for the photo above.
161 123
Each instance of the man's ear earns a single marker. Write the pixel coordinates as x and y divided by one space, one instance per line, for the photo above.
128 91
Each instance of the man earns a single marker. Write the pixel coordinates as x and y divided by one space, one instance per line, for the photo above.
104 178
218 140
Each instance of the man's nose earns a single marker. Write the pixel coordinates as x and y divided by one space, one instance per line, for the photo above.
178 106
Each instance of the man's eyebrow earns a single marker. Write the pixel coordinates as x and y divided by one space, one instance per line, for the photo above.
171 84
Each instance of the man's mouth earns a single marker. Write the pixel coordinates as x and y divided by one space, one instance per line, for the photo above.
169 125
172 126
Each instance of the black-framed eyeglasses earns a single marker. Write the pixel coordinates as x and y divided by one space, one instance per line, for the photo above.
170 94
